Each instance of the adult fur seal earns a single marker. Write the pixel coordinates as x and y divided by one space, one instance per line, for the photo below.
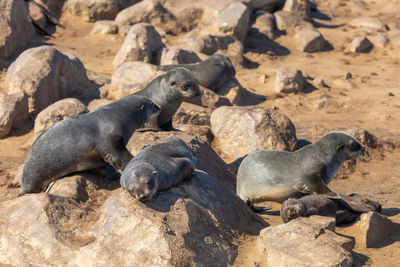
158 167
211 73
88 141
267 175
344 210
168 91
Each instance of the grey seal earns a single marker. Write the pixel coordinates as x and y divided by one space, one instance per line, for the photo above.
158 167
84 142
344 210
168 91
268 175
211 73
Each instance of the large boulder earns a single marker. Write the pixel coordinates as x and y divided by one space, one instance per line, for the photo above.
241 130
58 111
16 28
92 10
305 242
13 111
143 43
46 75
131 77
234 20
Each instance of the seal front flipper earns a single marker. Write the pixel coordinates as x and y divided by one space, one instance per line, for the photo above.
318 187
115 153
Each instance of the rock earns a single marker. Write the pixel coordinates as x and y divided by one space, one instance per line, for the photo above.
142 43
374 228
234 20
381 40
238 95
54 76
265 23
16 28
92 10
37 15
13 111
286 20
178 55
32 230
146 11
104 27
301 8
305 242
361 44
311 40
194 223
205 157
265 5
187 18
53 7
96 103
131 77
289 80
192 114
58 111
369 23
343 83
203 133
209 98
241 130
16 181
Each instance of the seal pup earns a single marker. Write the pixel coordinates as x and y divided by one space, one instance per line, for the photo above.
84 142
168 91
344 210
268 175
211 73
158 167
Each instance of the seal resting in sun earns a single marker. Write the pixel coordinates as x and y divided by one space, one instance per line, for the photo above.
158 167
270 175
85 142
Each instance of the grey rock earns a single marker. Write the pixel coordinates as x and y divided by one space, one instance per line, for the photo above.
104 27
361 44
92 10
234 20
311 40
289 80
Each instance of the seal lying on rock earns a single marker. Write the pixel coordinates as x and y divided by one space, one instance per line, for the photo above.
345 210
158 167
211 73
168 91
88 141
267 175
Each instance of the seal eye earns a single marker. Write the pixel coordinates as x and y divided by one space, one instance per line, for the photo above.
150 183
186 87
173 83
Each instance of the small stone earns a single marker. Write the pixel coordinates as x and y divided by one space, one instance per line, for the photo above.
361 44
348 75
369 23
265 23
311 40
289 80
381 40
285 20
104 27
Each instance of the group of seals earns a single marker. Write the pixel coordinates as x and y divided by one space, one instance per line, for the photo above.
158 167
267 175
99 137
211 73
344 210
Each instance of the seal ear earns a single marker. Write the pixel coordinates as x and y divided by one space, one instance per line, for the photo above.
172 83
142 107
154 172
340 146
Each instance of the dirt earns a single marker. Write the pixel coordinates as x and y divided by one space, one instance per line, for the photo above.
371 101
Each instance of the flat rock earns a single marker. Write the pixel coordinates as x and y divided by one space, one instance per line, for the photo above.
241 130
143 43
58 111
311 40
131 77
209 98
305 242
361 44
104 27
13 111
16 28
192 114
173 55
54 77
234 20
286 20
289 80
301 8
92 10
368 22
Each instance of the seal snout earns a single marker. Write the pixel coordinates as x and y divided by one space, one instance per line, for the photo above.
355 146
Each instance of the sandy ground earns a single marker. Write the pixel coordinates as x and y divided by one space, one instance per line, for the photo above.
371 103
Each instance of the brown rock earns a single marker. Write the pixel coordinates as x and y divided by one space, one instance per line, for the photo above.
289 80
192 114
104 27
305 242
92 10
13 111
301 8
58 111
96 103
142 43
16 28
265 23
178 55
286 20
241 130
209 98
234 20
311 40
54 77
369 23
361 44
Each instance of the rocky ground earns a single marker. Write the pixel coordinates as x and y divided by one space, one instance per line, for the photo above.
300 72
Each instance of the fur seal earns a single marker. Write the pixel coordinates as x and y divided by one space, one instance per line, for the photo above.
211 73
84 142
344 210
267 175
168 91
158 167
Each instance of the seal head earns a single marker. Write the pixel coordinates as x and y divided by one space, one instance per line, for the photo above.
182 83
